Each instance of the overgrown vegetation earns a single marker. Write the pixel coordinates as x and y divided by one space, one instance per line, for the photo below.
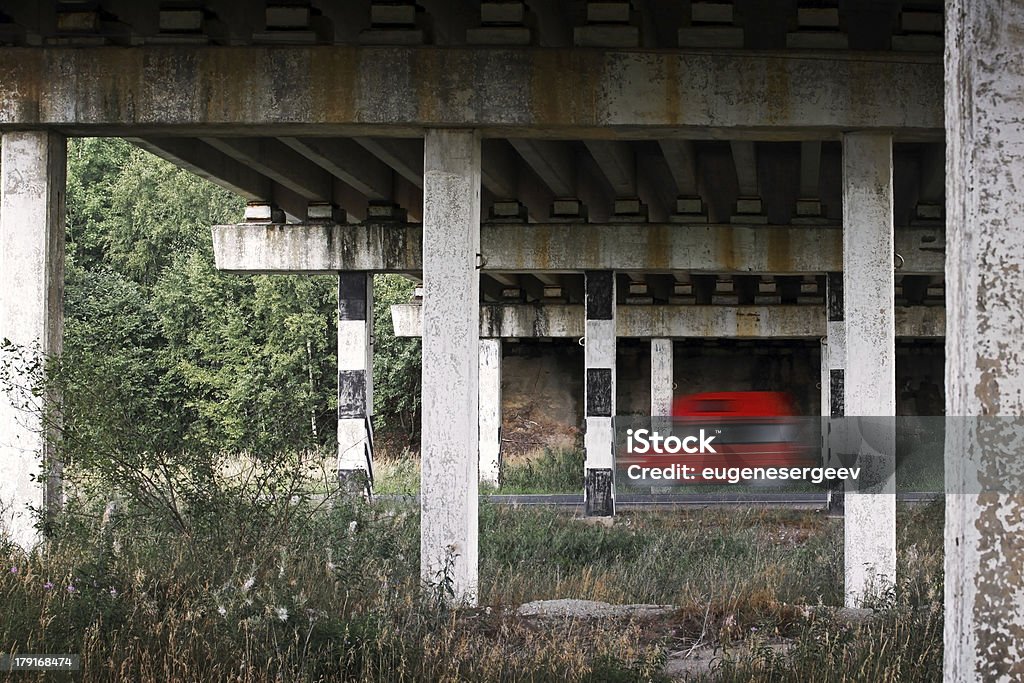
332 593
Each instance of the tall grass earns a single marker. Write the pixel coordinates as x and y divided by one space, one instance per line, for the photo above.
338 598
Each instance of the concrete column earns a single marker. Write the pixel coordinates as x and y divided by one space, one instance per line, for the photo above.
490 411
833 371
32 186
451 361
869 380
984 611
599 388
661 377
355 379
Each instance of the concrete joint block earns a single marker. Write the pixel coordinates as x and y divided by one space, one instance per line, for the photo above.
385 212
711 13
508 211
568 209
392 14
818 17
808 207
749 205
78 21
262 212
287 17
181 21
930 211
918 21
629 209
608 12
502 13
325 212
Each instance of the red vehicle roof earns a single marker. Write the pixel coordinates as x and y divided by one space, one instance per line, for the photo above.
734 404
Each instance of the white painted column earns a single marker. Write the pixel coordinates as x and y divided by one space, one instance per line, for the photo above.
32 187
451 361
599 389
984 608
870 375
355 379
490 411
661 377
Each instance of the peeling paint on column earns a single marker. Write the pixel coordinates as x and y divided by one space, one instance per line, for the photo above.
984 601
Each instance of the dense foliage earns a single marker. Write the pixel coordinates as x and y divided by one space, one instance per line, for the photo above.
172 369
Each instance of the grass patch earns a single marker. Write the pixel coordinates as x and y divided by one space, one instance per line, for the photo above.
337 598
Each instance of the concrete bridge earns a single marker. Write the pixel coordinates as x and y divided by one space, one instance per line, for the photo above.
649 169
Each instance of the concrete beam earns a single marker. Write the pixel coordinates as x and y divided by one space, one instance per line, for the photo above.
682 163
617 163
404 156
984 613
344 90
32 189
224 171
744 158
273 159
670 321
451 364
553 163
349 162
564 247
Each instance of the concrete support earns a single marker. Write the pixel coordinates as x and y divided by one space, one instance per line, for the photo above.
355 379
661 377
599 387
984 612
451 362
833 376
490 411
32 187
870 376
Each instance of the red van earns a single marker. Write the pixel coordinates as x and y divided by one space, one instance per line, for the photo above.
749 429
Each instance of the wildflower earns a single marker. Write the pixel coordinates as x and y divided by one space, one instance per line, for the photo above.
221 611
282 613
352 526
72 589
48 585
249 583
14 570
113 592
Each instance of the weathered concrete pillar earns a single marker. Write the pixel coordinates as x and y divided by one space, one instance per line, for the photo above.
599 388
355 379
661 377
869 380
451 361
490 411
32 187
984 612
833 371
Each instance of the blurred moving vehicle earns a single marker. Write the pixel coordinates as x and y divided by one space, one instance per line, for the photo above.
750 429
